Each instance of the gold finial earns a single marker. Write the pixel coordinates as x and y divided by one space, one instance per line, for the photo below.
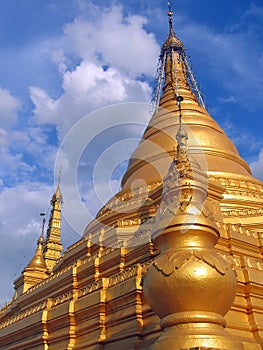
41 238
59 174
57 196
170 16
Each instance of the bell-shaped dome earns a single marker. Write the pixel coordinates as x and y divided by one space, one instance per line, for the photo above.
207 141
38 261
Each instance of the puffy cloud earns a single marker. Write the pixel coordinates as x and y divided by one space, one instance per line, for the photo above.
86 88
25 154
11 163
113 52
58 57
112 39
9 106
44 105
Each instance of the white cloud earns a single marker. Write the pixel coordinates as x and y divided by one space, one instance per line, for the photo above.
12 162
257 166
44 105
24 154
86 88
114 51
112 39
9 106
58 57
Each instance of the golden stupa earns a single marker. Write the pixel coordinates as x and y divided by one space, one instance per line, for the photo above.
180 264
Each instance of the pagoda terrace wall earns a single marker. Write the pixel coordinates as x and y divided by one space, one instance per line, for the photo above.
97 302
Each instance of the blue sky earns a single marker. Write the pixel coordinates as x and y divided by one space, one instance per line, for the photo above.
63 59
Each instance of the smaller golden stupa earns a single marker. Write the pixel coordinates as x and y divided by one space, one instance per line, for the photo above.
36 271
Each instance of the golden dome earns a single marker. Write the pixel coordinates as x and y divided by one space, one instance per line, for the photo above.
38 261
207 141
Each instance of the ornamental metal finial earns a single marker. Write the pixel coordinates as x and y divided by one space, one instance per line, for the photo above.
41 238
57 196
59 174
170 15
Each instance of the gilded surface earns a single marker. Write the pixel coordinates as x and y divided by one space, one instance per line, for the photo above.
94 298
52 247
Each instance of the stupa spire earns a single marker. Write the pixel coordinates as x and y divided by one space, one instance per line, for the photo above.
206 139
170 14
174 70
52 245
170 17
57 196
172 39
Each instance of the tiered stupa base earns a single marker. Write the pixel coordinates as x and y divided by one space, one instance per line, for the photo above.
195 335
